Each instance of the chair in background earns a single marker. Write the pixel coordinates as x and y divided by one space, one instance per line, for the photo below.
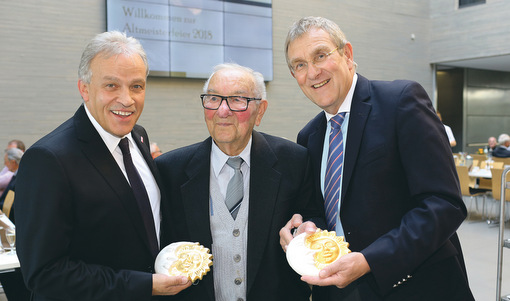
498 164
506 161
475 163
9 200
494 164
496 190
467 189
478 157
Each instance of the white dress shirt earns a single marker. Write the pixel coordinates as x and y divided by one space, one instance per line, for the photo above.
344 107
112 143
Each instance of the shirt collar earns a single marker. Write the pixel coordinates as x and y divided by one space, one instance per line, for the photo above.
109 140
346 104
219 158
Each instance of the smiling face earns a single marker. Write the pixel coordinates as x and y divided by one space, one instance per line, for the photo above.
231 131
327 85
116 93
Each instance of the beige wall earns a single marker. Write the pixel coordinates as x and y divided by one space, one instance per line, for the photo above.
41 43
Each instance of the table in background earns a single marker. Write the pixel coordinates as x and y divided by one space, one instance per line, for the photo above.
8 262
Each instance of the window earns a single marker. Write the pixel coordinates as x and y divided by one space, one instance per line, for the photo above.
466 3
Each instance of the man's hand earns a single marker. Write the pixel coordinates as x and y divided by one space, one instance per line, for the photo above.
296 222
342 272
168 285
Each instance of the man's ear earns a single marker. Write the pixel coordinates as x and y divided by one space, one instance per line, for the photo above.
84 90
260 113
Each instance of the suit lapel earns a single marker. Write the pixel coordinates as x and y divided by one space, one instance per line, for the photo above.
315 147
195 199
195 194
264 184
360 110
142 142
99 156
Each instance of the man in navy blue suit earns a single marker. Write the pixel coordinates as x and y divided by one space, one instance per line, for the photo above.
399 203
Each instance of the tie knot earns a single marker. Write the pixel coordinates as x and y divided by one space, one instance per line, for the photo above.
235 162
124 145
337 120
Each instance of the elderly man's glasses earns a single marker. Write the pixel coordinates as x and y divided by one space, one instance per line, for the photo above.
234 103
300 67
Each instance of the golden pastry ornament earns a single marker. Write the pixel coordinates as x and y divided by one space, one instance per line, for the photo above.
307 254
184 258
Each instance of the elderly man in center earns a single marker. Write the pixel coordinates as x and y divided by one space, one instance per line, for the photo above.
240 225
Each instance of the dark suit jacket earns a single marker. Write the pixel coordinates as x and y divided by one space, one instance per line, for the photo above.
80 232
401 203
501 152
280 185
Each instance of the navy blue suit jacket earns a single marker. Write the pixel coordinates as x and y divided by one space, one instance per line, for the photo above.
401 204
501 152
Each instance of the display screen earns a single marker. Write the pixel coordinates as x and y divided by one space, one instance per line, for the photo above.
187 38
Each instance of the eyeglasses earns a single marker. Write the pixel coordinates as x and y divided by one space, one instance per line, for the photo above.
234 103
302 66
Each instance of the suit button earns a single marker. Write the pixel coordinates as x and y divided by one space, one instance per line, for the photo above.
240 299
238 281
236 232
237 258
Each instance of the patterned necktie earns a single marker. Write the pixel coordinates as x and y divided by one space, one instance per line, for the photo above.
234 195
334 171
140 194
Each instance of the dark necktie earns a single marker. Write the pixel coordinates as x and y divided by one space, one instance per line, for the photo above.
334 171
234 195
140 194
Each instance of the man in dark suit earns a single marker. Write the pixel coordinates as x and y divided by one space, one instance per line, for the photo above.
399 203
248 263
502 150
81 232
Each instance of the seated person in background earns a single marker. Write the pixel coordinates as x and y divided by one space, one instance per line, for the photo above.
503 149
12 282
155 151
11 159
493 143
5 174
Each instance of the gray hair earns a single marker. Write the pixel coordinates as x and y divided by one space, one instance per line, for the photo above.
306 24
258 78
109 44
14 154
503 138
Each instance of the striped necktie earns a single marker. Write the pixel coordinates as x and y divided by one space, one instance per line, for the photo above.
334 171
235 190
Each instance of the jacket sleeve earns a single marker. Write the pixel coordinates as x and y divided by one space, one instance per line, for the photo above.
434 209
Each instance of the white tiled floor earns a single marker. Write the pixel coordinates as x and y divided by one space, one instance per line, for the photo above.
480 246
